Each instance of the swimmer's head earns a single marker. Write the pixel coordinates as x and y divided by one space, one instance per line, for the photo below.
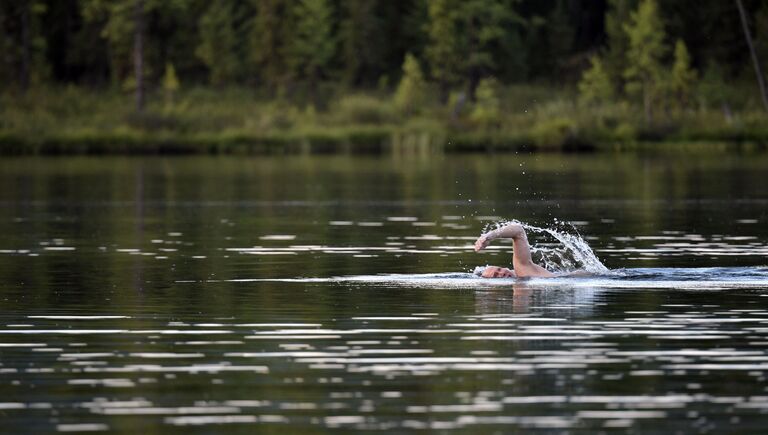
497 272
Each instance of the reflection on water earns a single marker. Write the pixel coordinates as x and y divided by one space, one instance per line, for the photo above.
511 356
324 293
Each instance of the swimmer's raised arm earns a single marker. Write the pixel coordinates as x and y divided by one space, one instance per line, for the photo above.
509 231
521 260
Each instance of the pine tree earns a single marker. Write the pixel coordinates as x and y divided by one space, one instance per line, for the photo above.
646 50
410 92
560 35
268 48
484 25
124 26
444 49
170 84
361 29
595 85
614 60
313 44
467 39
486 110
218 42
22 44
711 91
683 75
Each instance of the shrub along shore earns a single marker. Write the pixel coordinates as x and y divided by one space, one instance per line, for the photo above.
237 120
420 76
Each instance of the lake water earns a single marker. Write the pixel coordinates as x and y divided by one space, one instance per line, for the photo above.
310 294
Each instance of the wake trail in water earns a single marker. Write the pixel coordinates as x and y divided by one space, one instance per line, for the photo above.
570 254
691 279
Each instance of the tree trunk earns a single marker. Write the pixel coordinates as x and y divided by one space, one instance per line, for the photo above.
138 53
26 49
647 104
755 60
474 81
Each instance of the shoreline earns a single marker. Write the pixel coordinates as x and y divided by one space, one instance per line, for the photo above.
529 119
362 141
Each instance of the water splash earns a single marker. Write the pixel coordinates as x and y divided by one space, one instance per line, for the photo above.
573 253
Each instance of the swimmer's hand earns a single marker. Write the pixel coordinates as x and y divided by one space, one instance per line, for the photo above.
483 241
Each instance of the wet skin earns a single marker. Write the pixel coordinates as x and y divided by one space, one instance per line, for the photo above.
521 258
498 272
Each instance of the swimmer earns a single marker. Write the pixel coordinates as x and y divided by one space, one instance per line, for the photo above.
521 254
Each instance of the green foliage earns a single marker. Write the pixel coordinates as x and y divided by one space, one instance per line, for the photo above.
117 20
553 132
170 84
444 48
684 76
484 22
615 58
22 44
217 47
117 27
560 34
711 89
293 52
467 37
595 85
71 120
274 43
487 108
361 28
269 49
313 44
362 109
555 34
410 92
644 57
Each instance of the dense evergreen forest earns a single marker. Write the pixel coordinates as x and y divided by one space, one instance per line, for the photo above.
644 68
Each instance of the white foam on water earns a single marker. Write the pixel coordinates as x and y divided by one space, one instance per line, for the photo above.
573 254
630 279
82 427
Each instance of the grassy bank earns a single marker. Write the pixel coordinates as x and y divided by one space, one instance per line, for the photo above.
204 120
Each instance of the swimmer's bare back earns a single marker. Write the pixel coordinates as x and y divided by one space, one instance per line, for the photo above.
521 250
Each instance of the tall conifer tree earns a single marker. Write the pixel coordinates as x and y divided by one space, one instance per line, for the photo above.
362 41
644 57
683 75
269 43
217 48
313 45
444 47
614 59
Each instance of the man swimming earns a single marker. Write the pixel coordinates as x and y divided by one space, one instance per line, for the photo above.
521 254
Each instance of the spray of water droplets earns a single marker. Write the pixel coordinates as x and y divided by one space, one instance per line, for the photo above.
571 253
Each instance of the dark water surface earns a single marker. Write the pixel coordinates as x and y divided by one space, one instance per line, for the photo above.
326 293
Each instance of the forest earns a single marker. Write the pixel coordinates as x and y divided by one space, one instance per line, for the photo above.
285 75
